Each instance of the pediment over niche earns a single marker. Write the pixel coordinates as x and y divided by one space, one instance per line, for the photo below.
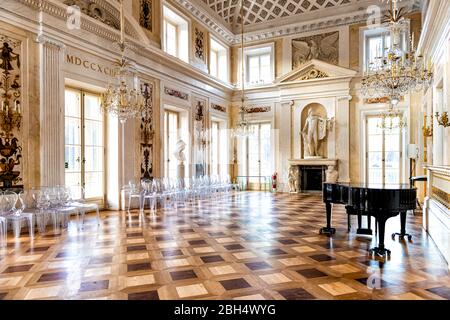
316 69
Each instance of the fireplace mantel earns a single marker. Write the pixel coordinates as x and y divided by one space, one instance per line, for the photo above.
313 162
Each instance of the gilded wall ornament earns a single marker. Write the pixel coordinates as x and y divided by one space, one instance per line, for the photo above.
147 132
176 93
323 47
145 14
10 112
218 107
199 44
258 109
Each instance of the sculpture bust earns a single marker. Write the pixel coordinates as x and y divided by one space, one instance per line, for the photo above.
179 151
331 174
314 131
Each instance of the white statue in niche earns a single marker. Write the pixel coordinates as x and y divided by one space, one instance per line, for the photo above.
293 179
331 174
314 131
179 151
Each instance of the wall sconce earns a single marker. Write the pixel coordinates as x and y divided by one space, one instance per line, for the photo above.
427 130
443 119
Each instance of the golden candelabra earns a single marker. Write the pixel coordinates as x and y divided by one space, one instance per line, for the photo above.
427 130
442 119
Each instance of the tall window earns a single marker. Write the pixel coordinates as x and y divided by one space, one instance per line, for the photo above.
170 37
176 38
171 133
384 152
218 60
377 44
256 149
84 144
259 65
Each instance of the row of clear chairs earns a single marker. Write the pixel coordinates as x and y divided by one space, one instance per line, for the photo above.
40 205
176 192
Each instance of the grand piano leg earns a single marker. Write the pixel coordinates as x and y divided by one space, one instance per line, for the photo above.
402 233
328 229
361 230
381 250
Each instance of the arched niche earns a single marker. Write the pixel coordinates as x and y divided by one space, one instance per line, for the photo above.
319 110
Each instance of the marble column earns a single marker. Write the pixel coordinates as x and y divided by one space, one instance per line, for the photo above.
342 146
51 111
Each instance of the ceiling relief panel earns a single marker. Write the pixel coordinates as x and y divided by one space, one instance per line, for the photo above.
259 11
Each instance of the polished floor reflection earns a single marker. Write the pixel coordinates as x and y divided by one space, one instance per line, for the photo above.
252 245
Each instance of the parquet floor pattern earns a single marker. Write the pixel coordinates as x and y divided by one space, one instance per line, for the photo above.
251 245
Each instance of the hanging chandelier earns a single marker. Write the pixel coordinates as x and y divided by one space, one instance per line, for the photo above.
392 120
396 72
243 128
119 99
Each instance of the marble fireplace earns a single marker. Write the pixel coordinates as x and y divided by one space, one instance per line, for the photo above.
307 175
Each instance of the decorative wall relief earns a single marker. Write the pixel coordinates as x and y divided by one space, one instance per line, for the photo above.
258 109
145 14
313 74
218 107
323 47
199 44
95 11
176 93
10 112
147 132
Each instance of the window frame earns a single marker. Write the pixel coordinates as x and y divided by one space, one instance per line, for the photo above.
182 26
224 52
257 50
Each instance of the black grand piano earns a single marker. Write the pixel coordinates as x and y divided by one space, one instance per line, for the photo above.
372 200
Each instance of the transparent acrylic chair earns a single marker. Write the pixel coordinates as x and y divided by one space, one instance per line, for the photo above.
133 192
150 192
37 203
16 215
81 204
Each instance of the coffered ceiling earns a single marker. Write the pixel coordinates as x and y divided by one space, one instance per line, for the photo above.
263 14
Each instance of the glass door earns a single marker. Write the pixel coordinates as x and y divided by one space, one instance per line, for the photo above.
171 128
84 145
384 152
259 156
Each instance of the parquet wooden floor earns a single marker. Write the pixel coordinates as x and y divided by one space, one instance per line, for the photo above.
252 245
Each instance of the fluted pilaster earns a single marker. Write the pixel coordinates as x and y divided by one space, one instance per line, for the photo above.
52 112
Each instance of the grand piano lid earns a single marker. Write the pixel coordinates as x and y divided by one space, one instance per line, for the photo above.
375 186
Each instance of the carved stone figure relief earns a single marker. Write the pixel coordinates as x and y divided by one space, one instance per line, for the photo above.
323 47
95 11
10 112
145 14
147 133
199 44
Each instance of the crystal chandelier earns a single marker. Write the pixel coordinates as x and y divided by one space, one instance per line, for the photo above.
392 119
396 72
243 128
120 100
